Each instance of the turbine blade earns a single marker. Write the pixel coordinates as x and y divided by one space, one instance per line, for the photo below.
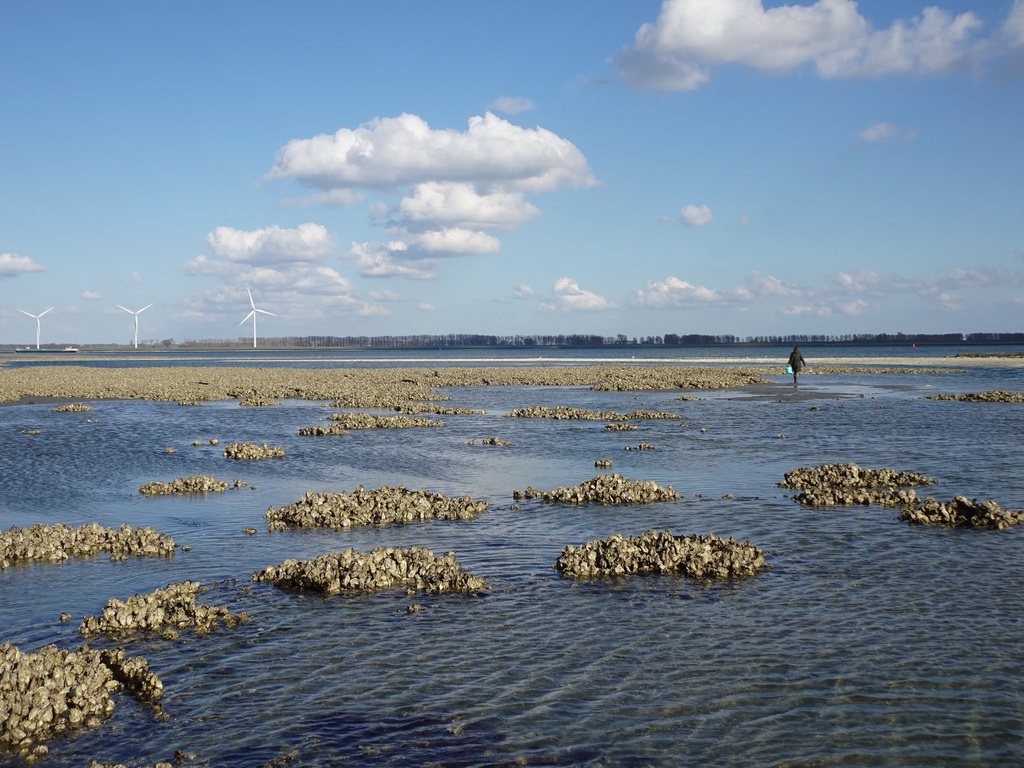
263 311
26 313
248 316
251 302
44 311
145 308
124 308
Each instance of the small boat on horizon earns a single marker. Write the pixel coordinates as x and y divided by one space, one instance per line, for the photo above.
65 351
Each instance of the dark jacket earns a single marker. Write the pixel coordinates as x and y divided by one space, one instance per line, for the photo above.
796 360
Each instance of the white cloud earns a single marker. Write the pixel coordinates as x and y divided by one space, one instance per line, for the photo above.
887 132
744 220
271 245
673 292
389 260
523 291
1012 29
334 198
695 215
12 265
455 186
679 50
426 306
385 296
569 297
92 295
511 105
459 203
136 278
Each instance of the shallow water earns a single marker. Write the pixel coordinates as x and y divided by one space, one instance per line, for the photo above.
868 642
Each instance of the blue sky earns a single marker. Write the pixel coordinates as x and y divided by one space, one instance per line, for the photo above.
582 166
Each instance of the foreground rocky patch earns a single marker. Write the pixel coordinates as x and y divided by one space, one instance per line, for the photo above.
604 489
173 607
370 421
851 475
52 690
993 396
698 556
386 505
58 542
415 568
193 484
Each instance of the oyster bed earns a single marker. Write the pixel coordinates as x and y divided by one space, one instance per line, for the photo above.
172 607
994 396
383 506
604 489
58 542
415 568
193 484
698 556
252 452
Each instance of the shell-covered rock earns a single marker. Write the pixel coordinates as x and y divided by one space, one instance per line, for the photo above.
415 568
605 489
563 412
252 452
174 606
73 408
193 484
386 505
53 690
56 543
320 430
620 426
699 556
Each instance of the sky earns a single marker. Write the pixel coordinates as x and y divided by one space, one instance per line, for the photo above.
510 167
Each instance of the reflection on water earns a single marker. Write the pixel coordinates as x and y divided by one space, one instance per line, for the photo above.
867 642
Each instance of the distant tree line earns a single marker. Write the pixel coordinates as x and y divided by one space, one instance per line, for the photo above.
579 340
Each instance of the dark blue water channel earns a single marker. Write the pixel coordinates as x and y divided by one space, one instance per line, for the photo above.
868 642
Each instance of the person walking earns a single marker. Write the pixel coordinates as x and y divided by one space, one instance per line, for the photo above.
796 362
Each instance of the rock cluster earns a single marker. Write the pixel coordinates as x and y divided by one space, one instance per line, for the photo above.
193 484
319 430
620 426
565 412
603 463
413 409
604 489
73 408
699 556
252 452
369 421
641 447
490 441
386 505
962 513
58 542
994 396
851 476
172 607
53 690
415 568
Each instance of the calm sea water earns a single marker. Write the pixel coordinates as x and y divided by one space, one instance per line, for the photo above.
867 643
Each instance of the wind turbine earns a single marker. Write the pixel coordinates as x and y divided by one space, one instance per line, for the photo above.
253 316
37 321
137 313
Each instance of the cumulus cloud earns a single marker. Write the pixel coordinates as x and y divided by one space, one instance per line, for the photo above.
12 265
569 297
695 215
455 187
92 295
673 292
679 50
511 105
271 245
523 291
887 132
391 259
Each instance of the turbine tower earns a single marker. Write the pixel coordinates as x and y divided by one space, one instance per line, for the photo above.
136 313
252 314
37 321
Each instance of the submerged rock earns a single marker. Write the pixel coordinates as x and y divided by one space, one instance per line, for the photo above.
252 452
56 543
415 568
384 506
73 408
994 396
962 512
851 476
193 484
370 421
698 556
604 489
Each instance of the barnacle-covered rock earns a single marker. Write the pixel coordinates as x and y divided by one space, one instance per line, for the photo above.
604 489
252 452
57 542
620 426
699 556
386 505
641 447
172 607
414 409
383 568
193 484
562 412
319 430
